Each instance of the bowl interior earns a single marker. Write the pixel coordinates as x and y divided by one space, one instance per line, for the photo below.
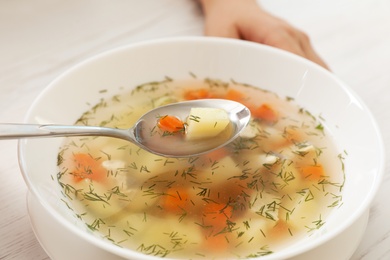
347 119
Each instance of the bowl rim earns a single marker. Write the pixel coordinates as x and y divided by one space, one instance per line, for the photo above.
213 40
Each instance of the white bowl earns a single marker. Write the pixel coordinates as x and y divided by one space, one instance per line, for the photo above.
347 118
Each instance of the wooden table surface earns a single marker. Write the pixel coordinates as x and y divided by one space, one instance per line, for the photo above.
41 39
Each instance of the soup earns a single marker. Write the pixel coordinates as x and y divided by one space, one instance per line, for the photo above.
271 187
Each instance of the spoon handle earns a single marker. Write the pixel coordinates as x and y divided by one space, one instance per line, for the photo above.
16 131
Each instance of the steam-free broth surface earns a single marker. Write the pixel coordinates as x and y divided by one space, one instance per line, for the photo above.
274 185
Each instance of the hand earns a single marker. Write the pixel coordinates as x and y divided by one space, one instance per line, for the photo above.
246 20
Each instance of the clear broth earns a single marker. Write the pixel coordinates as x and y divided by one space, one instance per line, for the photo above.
269 188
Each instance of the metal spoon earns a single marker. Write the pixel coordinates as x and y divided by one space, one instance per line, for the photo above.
140 133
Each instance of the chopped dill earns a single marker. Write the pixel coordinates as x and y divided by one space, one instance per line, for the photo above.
194 118
254 182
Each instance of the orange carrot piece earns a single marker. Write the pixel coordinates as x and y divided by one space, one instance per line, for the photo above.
313 172
235 95
216 215
86 167
176 200
170 124
216 243
196 94
265 112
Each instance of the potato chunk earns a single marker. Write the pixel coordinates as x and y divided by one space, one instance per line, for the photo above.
205 123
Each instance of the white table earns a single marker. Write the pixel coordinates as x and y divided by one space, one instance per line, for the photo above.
41 39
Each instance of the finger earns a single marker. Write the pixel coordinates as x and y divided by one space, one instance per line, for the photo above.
296 41
308 50
312 55
218 28
286 41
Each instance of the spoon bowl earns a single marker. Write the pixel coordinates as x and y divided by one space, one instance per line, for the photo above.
140 133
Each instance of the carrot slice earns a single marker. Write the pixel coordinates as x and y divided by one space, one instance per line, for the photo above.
217 243
216 215
196 94
176 200
235 95
313 172
86 167
215 218
266 113
170 124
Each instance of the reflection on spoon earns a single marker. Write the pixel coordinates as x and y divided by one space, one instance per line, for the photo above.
144 133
